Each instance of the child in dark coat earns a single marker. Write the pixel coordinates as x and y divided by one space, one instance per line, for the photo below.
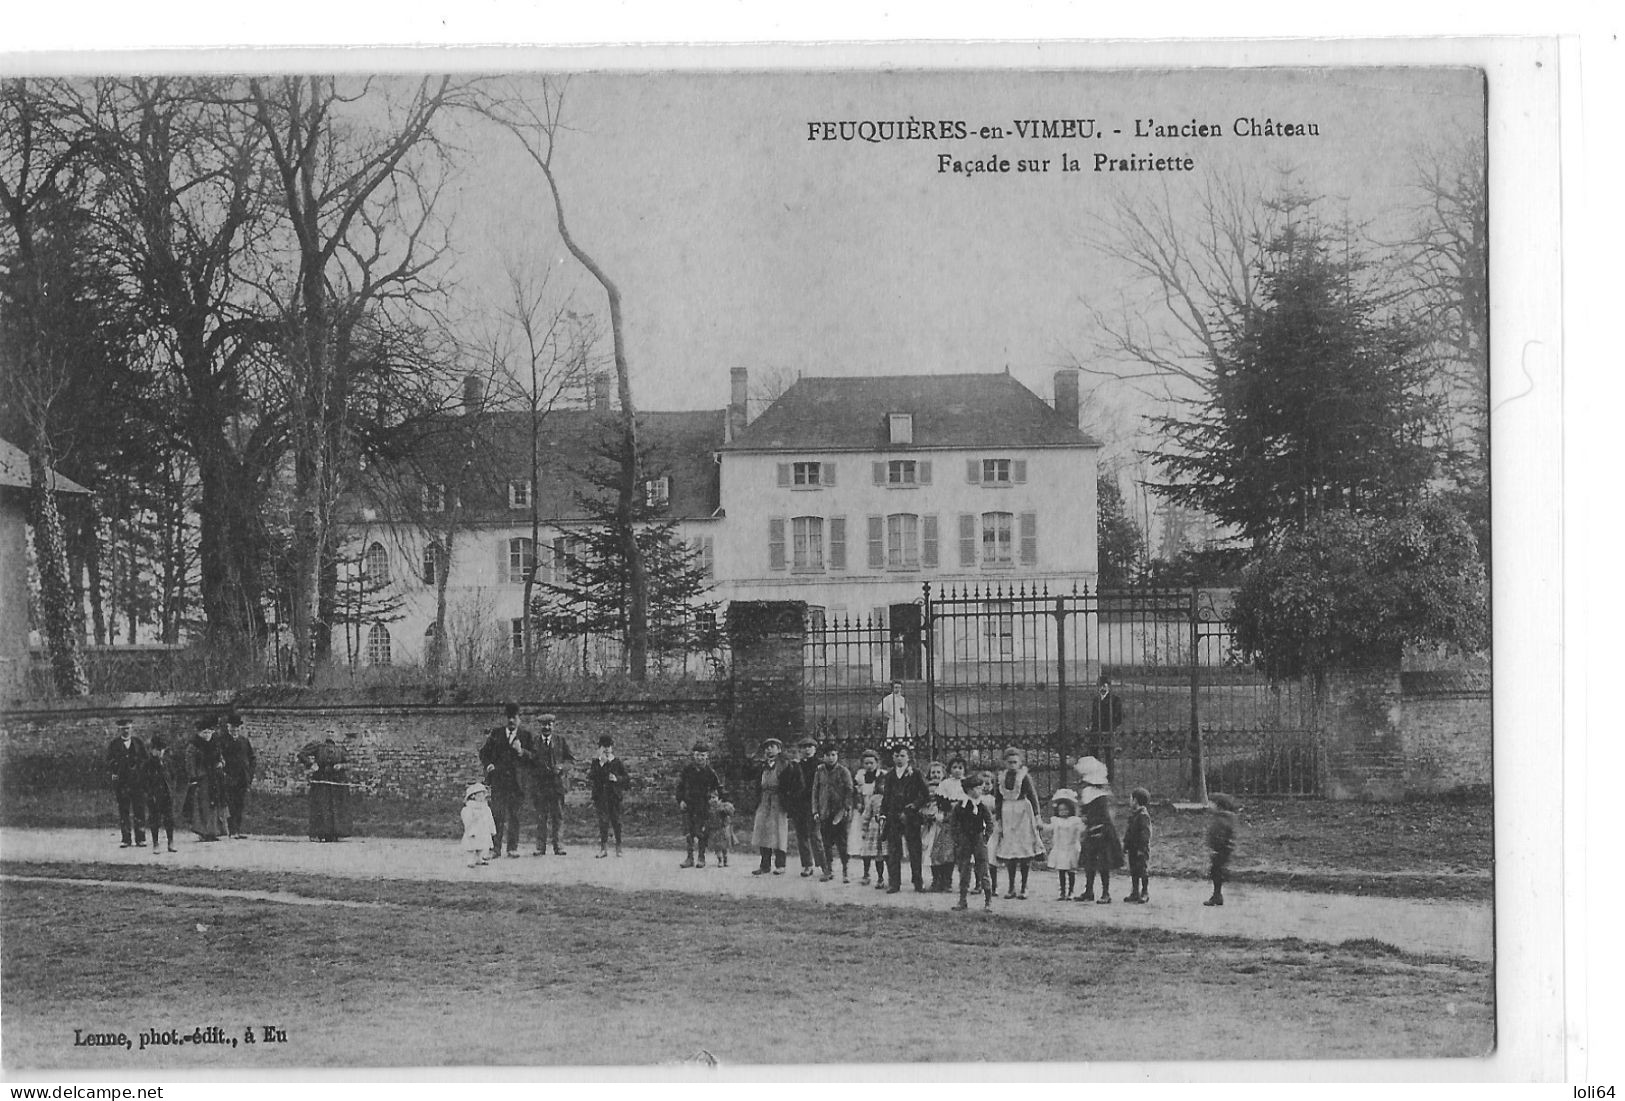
162 782
607 778
972 825
1137 842
697 785
1221 844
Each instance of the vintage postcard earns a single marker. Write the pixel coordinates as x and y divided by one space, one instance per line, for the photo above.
758 567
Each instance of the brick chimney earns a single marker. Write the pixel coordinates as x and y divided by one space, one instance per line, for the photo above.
600 392
473 393
738 395
1066 394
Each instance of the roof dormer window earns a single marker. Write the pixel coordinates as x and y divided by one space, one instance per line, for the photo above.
901 427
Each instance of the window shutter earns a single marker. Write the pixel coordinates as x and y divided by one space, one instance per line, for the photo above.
973 471
784 474
1029 538
967 539
877 542
1018 470
502 561
837 542
880 473
928 542
925 473
826 474
775 543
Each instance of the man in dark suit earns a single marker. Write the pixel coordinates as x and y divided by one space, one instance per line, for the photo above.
903 793
796 789
240 761
1105 720
126 766
508 755
552 778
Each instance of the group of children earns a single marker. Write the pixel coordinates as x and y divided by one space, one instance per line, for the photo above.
975 822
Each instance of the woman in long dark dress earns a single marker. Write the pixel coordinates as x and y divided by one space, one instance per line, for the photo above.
206 778
329 789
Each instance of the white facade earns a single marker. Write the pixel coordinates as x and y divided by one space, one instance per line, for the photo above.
869 540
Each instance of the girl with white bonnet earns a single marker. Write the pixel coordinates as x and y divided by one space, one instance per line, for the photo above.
479 828
1102 847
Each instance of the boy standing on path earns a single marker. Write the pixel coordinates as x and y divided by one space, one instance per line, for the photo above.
902 794
832 807
607 779
797 790
1221 844
696 784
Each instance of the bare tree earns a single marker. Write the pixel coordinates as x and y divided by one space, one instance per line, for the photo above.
537 127
357 197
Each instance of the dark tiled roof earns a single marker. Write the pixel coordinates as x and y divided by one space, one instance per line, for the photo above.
479 455
827 414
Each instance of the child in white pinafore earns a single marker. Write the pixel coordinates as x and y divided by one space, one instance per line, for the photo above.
479 828
1065 837
865 840
1017 800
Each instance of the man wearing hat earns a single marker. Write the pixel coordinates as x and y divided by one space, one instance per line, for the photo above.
797 791
126 767
507 754
238 752
1105 720
551 765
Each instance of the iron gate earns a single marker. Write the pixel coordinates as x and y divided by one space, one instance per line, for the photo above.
989 667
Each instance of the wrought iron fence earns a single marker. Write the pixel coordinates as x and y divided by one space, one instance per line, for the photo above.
985 668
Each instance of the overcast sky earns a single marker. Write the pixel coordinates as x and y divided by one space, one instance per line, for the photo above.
736 241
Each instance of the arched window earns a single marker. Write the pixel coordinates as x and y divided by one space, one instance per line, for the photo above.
433 556
378 645
376 564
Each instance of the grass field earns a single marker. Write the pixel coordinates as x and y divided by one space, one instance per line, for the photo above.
438 974
1416 849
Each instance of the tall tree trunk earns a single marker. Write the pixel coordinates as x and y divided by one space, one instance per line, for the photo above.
227 548
56 592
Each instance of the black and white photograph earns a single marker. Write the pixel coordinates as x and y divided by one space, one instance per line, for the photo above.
746 567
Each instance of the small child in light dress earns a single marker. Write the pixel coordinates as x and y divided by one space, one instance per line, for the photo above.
479 828
1065 830
866 840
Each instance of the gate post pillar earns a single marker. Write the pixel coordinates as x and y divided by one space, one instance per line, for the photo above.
767 640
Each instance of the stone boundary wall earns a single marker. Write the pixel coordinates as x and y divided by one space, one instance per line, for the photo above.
410 751
1390 736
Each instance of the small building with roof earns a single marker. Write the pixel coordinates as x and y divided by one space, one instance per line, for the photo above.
15 493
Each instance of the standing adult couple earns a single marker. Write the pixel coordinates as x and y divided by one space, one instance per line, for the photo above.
524 767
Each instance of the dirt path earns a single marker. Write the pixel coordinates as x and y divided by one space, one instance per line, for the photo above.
1445 928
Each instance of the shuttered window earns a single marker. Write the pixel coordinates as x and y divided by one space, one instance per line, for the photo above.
996 538
775 544
967 539
928 542
807 538
877 542
1029 538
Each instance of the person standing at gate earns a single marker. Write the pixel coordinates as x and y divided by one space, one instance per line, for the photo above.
902 794
796 789
507 754
1105 720
770 833
238 752
552 770
893 711
126 767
